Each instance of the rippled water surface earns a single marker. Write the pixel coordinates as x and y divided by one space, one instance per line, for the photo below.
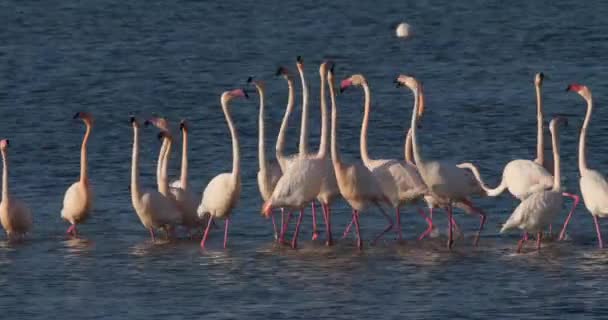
115 58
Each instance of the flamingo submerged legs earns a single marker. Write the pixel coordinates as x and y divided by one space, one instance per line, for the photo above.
450 227
539 237
152 234
428 221
347 230
206 234
274 227
576 199
398 226
599 232
358 230
72 230
327 213
387 229
284 225
226 224
521 242
294 241
315 234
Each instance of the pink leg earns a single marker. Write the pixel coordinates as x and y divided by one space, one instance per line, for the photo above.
152 234
387 229
226 224
482 222
450 227
359 240
576 198
71 229
539 236
399 233
327 213
284 226
348 227
315 234
525 236
599 232
521 242
274 227
428 221
294 241
206 234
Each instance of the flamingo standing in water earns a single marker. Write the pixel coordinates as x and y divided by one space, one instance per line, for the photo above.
223 191
270 171
399 180
78 199
357 184
15 216
523 177
593 184
537 210
153 209
446 181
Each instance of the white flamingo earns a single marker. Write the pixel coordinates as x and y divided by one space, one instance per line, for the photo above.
523 177
357 184
153 209
223 191
593 184
537 210
15 216
270 171
78 199
445 180
399 180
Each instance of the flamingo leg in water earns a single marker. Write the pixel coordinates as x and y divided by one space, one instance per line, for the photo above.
539 237
359 240
387 229
450 227
206 234
327 213
284 227
226 224
482 222
294 241
347 230
315 234
274 227
152 234
521 242
576 198
398 226
599 232
72 230
428 221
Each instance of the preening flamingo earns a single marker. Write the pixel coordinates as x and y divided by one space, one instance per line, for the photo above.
356 183
399 180
537 210
446 181
593 184
223 191
153 209
270 171
15 216
78 199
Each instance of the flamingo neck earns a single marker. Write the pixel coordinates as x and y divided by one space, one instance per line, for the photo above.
364 124
582 147
417 157
556 160
540 140
261 133
303 149
236 156
335 154
280 147
135 193
84 177
164 189
409 157
160 164
4 176
322 153
184 173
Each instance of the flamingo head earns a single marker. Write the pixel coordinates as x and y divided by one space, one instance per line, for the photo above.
356 80
134 122
266 209
538 79
164 135
183 125
326 65
556 121
159 122
414 85
259 84
85 116
582 90
299 62
229 95
4 144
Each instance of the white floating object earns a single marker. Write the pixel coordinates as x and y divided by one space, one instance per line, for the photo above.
403 30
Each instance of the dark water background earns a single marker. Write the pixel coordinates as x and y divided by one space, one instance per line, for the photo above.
113 58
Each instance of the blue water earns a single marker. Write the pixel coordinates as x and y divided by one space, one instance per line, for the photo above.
477 60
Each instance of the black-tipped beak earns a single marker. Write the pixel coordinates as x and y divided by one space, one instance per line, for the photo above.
279 71
397 83
249 80
182 125
568 88
246 94
8 142
541 76
76 115
161 135
299 59
131 119
147 123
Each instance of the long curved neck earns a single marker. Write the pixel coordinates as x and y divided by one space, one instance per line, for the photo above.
4 176
164 178
135 193
184 173
84 177
160 164
364 124
556 161
236 156
540 141
261 134
413 125
303 149
409 157
335 154
280 147
323 143
582 152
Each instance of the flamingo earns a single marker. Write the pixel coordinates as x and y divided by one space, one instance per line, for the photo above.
592 183
537 210
153 209
356 183
523 177
447 182
223 191
78 199
399 180
270 171
15 216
